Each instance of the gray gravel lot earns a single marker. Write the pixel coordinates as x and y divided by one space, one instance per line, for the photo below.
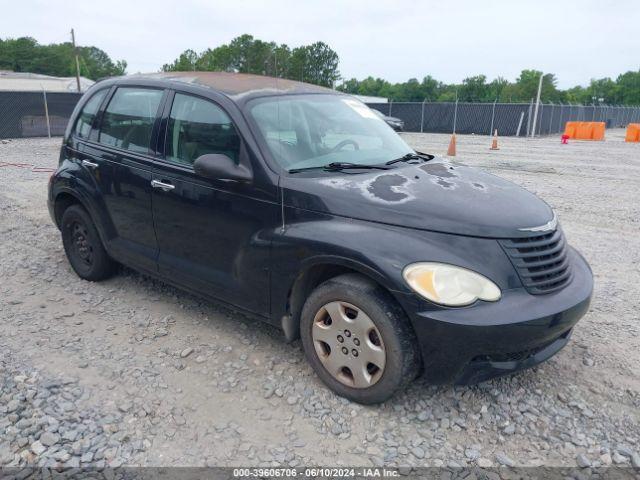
133 372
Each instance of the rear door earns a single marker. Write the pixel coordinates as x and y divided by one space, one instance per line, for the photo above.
122 148
212 234
93 172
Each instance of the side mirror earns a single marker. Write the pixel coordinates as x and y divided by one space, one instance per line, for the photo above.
218 166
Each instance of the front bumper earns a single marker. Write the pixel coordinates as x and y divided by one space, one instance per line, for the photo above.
489 339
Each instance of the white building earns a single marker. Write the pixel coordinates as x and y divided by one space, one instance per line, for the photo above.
34 82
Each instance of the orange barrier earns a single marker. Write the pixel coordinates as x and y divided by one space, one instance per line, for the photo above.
585 130
633 133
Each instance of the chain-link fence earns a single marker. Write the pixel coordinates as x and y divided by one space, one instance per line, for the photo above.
38 114
510 119
35 114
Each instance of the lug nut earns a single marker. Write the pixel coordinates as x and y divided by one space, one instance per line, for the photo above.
340 338
345 350
356 342
354 352
347 333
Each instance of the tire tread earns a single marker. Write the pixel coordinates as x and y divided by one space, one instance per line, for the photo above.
103 267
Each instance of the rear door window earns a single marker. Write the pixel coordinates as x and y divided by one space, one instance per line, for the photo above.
88 114
197 127
128 119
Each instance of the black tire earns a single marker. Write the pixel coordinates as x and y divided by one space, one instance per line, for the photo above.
83 246
398 339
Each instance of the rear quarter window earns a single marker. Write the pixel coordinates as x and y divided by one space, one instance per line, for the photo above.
128 119
88 114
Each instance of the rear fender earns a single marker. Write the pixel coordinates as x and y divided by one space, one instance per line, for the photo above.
72 180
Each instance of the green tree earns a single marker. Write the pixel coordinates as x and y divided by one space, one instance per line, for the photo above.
474 89
624 90
316 63
430 88
603 90
526 87
375 87
349 86
95 63
219 58
576 94
629 88
497 88
186 62
280 63
27 55
249 55
410 91
448 93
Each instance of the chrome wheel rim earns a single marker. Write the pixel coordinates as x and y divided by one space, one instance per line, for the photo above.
348 344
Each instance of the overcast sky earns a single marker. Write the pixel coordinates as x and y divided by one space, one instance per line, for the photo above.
395 40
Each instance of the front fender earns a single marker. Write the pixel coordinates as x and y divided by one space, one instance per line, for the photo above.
369 269
378 251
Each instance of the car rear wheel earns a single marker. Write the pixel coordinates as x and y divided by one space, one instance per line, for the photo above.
358 340
83 246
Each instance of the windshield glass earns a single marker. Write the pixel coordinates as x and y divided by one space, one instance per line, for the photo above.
305 131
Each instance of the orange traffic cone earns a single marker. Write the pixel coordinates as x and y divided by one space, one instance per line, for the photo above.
494 142
451 151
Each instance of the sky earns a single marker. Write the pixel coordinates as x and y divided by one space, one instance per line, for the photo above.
394 40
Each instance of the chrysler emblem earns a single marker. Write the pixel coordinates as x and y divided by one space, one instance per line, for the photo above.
550 225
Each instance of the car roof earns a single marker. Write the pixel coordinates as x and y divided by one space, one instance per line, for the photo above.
238 86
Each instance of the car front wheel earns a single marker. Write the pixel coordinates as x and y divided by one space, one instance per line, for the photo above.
358 340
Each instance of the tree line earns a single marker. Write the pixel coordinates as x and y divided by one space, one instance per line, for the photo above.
25 54
318 63
625 90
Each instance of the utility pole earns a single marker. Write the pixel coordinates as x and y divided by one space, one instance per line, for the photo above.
535 113
75 51
455 113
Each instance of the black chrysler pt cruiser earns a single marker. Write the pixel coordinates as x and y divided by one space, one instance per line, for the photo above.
300 206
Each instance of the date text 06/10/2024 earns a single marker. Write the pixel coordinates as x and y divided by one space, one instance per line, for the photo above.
326 472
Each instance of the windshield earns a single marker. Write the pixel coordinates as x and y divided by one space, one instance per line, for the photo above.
305 131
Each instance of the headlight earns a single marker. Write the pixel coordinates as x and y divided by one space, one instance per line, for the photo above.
449 285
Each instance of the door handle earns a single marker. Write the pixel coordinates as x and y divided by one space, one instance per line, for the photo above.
167 187
89 164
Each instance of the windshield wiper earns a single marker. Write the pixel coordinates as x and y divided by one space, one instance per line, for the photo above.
411 156
337 166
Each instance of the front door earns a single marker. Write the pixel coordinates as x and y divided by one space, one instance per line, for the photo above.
212 234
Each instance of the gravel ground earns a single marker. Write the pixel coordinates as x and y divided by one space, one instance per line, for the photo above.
133 372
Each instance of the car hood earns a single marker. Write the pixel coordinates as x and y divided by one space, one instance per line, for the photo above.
434 195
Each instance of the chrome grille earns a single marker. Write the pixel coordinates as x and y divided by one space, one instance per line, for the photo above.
541 261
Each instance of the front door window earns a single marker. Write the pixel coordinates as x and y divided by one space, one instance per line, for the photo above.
197 127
